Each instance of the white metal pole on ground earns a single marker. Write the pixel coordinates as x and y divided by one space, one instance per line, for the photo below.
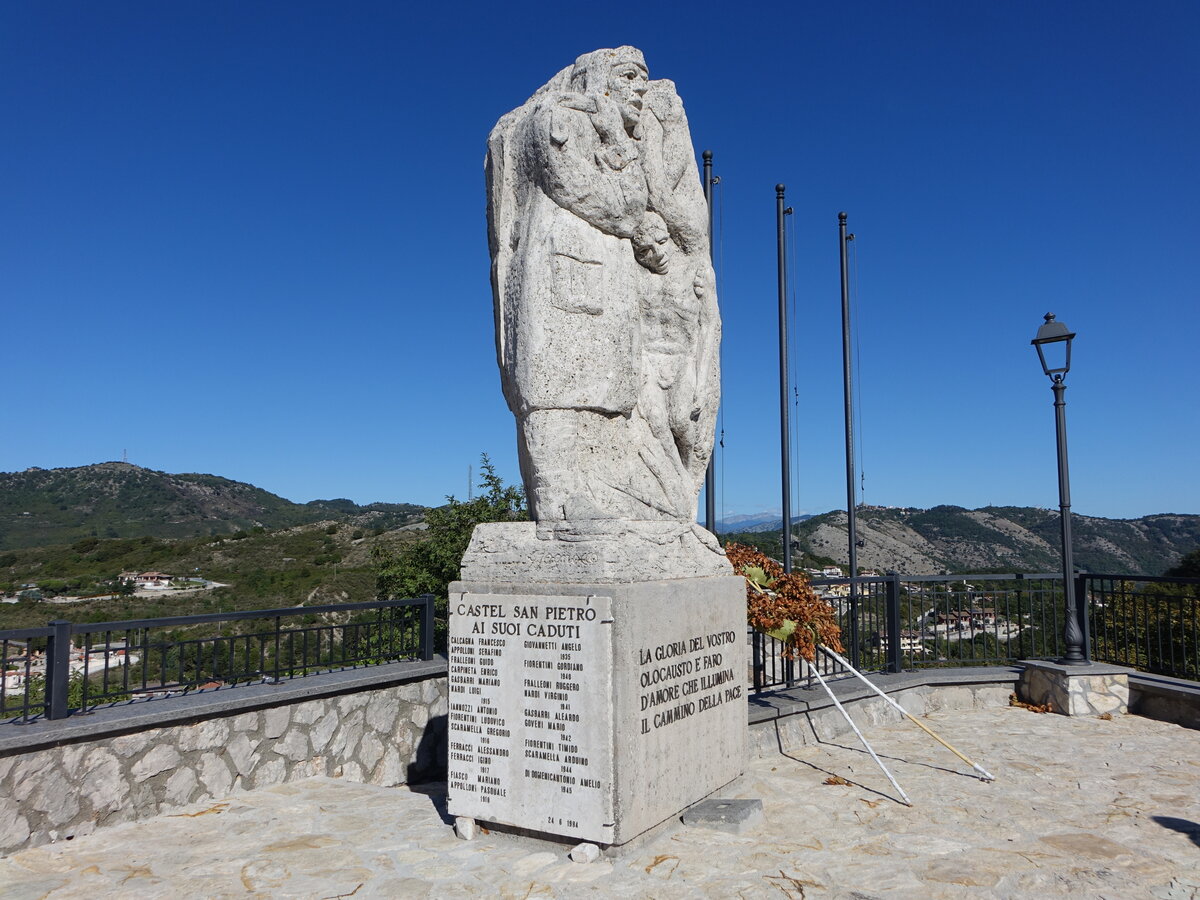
984 774
846 715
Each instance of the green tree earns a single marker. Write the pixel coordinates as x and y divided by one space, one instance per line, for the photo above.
1189 566
769 543
430 564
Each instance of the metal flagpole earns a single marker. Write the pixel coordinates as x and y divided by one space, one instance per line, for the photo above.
710 478
784 451
851 511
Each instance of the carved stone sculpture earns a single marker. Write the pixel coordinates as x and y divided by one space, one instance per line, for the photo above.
607 330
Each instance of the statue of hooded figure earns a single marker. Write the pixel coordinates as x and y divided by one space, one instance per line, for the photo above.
607 329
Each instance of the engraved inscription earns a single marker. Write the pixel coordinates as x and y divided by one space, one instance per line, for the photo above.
685 677
530 712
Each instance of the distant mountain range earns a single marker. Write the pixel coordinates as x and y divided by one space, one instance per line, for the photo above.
41 507
999 539
755 522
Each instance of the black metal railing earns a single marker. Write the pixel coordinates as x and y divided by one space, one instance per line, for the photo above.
67 667
23 673
980 620
1146 623
937 621
865 610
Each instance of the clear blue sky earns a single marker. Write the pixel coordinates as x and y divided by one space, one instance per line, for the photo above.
249 239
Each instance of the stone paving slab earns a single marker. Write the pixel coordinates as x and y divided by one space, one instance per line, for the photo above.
1082 807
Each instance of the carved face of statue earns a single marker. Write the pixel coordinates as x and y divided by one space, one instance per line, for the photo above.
627 82
652 244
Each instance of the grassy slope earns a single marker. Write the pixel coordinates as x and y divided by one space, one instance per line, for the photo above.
306 565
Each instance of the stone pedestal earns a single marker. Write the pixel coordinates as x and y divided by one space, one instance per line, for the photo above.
1075 690
597 711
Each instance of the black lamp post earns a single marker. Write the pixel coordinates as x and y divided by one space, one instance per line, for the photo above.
1054 340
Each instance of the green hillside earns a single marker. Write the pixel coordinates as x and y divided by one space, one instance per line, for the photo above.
41 507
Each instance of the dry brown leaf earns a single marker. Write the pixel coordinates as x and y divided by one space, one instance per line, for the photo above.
343 896
793 888
1014 700
1107 717
216 808
662 859
836 779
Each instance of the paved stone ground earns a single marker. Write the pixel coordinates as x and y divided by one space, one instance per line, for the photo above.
1086 808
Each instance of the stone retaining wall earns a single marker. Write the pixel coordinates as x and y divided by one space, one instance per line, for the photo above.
385 735
1166 699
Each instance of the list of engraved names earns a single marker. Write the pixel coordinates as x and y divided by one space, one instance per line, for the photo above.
530 711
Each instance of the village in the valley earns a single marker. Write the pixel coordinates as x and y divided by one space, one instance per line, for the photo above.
23 666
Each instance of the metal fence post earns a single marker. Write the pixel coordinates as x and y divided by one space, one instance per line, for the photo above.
854 629
1019 578
427 627
757 663
1084 610
58 669
894 662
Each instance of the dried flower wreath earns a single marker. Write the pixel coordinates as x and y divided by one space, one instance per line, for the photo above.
784 606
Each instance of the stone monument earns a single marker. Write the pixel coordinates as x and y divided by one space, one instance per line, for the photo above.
597 652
